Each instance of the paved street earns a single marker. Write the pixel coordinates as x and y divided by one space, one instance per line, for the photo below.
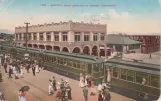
145 57
39 88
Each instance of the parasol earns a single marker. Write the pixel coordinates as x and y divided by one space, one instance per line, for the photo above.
25 88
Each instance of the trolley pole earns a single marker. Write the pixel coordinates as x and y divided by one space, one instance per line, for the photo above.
26 35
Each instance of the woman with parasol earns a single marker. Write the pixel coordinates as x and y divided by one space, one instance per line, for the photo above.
21 94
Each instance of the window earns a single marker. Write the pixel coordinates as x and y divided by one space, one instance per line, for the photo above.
123 74
95 37
102 36
35 36
130 75
48 37
54 59
142 78
69 63
116 72
155 81
41 36
20 36
82 66
56 36
17 36
74 64
61 60
65 36
96 67
78 64
89 68
77 36
86 37
29 36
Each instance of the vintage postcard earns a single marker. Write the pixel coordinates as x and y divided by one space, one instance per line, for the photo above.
80 50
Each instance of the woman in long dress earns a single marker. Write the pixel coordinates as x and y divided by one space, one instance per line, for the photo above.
81 82
21 96
93 90
37 68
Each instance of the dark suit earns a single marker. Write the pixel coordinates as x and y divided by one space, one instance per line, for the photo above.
85 93
107 96
33 71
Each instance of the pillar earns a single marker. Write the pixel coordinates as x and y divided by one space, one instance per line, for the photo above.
60 36
71 35
99 36
32 36
38 37
98 52
82 36
52 36
91 36
44 36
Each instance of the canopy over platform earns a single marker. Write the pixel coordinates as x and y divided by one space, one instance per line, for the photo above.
121 40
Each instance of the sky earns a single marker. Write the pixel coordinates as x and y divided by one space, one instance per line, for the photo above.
126 16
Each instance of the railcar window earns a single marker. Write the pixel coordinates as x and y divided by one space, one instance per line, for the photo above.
123 74
69 63
48 58
142 78
82 66
65 62
155 81
96 67
58 60
54 59
61 60
74 64
78 64
116 72
130 75
89 68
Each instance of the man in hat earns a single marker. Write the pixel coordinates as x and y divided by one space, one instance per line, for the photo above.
5 67
85 92
69 91
107 94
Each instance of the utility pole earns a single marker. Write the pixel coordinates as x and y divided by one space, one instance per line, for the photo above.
26 35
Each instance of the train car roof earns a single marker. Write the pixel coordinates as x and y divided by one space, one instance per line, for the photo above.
75 56
133 68
136 66
79 57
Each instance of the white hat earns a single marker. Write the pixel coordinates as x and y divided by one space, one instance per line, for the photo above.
58 83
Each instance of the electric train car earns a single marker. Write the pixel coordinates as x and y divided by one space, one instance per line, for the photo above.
67 64
135 79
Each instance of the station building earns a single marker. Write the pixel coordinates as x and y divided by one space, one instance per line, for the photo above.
72 37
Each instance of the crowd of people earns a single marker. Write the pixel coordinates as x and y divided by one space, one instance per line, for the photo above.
103 90
15 68
62 90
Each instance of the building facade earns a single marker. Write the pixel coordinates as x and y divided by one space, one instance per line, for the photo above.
151 43
73 37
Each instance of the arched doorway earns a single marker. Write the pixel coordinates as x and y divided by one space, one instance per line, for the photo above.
56 48
35 45
86 50
41 46
102 50
95 51
48 47
76 50
29 45
65 49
